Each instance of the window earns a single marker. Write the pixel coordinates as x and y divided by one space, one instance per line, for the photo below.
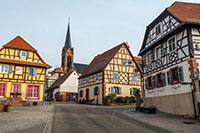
23 54
32 71
96 91
158 29
129 62
96 76
81 81
172 44
158 52
148 58
174 75
149 83
2 90
81 93
87 79
4 68
123 63
116 90
134 77
159 80
115 76
33 91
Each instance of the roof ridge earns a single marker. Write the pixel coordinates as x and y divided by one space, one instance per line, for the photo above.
186 2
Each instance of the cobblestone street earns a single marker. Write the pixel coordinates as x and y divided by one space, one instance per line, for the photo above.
23 118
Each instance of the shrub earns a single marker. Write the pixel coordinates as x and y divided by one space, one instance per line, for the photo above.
136 91
132 99
120 100
111 98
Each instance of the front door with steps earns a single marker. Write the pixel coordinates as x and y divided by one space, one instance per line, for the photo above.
15 89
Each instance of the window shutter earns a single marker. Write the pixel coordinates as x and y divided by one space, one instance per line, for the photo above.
163 79
112 90
10 69
94 91
27 54
131 91
145 82
18 54
82 93
29 71
120 91
154 81
152 54
161 48
168 78
180 74
34 71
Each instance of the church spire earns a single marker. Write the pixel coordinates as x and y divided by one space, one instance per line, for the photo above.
68 37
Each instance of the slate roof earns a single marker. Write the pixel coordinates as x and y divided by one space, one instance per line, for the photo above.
185 12
68 38
60 80
102 60
80 67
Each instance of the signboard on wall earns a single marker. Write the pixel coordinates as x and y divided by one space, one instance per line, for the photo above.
19 70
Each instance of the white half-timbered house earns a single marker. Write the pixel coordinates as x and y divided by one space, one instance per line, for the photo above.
171 55
115 71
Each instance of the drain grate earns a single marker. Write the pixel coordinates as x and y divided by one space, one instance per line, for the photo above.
187 122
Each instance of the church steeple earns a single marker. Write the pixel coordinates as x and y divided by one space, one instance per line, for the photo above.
68 38
67 51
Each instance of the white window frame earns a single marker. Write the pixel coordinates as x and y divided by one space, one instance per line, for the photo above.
158 56
4 68
23 52
148 57
158 25
33 92
174 44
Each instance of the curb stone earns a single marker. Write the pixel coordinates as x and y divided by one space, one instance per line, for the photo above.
48 125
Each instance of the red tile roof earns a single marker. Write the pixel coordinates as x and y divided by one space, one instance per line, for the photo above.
10 61
102 60
19 43
185 12
138 60
58 70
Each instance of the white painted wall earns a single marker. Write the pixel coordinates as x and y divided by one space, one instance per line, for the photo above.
70 84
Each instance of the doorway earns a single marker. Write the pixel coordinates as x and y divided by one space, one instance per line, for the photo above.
15 90
87 94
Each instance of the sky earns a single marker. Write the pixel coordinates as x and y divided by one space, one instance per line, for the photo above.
96 25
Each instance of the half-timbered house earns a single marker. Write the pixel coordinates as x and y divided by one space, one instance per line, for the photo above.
22 72
170 53
115 71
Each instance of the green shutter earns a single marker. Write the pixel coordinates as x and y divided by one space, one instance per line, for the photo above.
168 78
112 90
163 79
152 55
10 69
161 48
131 91
180 74
145 82
18 54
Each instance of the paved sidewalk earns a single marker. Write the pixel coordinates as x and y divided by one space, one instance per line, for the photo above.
26 119
167 121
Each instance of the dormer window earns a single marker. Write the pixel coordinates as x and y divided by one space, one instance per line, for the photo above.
23 54
158 29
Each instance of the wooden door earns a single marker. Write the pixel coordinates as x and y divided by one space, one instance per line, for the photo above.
87 94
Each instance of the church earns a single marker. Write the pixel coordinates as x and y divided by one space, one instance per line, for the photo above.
62 82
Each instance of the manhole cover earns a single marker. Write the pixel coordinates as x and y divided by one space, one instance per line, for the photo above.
187 122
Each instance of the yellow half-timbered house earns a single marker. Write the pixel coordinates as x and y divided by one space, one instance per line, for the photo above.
115 71
22 72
